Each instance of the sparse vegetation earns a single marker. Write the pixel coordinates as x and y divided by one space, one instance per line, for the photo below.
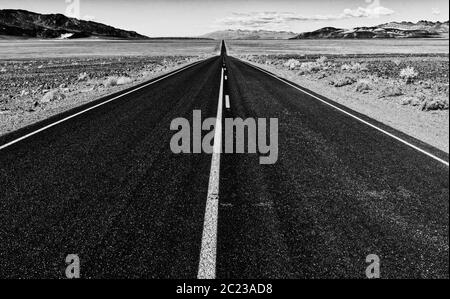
409 74
355 67
435 104
309 67
343 81
363 86
391 91
83 76
114 81
292 64
383 78
318 65
427 103
322 60
37 88
110 82
53 95
411 101
124 80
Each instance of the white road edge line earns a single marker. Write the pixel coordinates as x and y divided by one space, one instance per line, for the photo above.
354 116
94 107
207 265
227 102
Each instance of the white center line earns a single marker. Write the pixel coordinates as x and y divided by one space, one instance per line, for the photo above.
207 265
354 116
227 102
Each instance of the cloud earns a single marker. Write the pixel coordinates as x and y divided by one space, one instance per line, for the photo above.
256 20
373 10
271 20
435 11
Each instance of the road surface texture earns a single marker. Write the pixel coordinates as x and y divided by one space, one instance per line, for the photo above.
106 186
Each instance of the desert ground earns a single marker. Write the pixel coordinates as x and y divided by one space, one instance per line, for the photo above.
338 47
40 79
401 83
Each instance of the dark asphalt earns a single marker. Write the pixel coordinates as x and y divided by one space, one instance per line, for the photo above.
340 191
106 186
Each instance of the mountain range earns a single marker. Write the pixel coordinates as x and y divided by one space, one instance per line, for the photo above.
421 29
249 35
26 24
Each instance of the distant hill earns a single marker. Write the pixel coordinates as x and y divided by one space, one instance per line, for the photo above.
22 23
180 38
249 35
437 27
422 29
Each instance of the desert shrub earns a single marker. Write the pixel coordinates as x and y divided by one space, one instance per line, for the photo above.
314 66
363 86
249 57
124 80
427 104
114 81
3 70
355 67
145 74
346 67
435 104
391 91
344 81
412 101
308 67
397 62
292 64
24 92
53 95
409 74
110 82
83 76
322 60
277 62
322 76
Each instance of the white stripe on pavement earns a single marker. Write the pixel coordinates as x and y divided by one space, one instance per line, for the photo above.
354 116
227 102
93 107
207 265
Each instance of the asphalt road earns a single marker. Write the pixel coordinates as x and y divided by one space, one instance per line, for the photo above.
106 186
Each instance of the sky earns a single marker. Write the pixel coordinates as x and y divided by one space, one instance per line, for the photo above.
157 18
